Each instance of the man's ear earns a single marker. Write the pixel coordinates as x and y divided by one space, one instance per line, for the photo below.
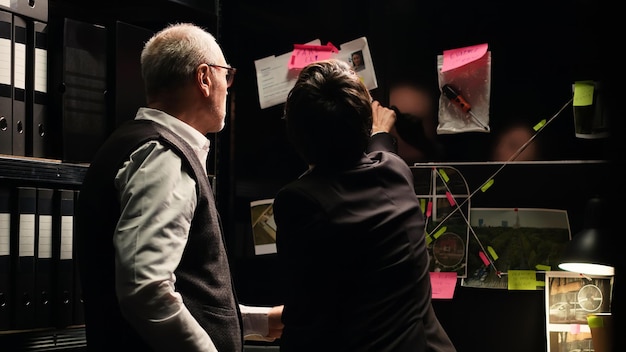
203 80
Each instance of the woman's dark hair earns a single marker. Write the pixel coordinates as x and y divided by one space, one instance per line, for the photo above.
329 114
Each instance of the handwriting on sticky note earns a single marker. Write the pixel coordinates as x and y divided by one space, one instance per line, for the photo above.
304 54
443 284
455 58
583 93
522 280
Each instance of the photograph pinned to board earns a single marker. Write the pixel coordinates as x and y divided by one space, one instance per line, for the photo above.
263 226
516 239
357 54
444 194
570 299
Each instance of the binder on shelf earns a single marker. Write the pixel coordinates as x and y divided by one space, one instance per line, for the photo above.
129 88
37 136
79 308
6 82
19 86
63 255
6 302
35 9
23 249
78 90
43 258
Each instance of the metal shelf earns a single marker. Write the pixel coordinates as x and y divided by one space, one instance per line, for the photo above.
25 169
68 339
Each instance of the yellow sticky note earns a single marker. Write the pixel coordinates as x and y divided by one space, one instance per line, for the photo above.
443 174
583 93
492 253
487 184
595 321
522 280
542 267
539 125
440 232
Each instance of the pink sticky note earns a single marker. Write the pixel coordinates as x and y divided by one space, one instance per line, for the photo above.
484 258
450 198
443 284
304 54
429 209
454 58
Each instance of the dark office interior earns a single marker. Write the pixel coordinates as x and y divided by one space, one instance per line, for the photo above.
538 50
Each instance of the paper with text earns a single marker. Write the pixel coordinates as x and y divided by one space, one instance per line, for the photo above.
275 79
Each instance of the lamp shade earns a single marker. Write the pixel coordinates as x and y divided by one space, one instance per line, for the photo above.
590 252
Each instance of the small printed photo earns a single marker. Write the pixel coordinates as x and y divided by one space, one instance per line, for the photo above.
357 61
571 299
263 226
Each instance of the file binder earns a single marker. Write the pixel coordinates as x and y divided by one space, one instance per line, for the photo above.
129 88
79 305
19 86
6 73
43 258
35 9
38 134
78 92
64 259
6 302
23 249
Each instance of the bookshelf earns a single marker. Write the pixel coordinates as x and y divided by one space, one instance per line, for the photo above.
61 167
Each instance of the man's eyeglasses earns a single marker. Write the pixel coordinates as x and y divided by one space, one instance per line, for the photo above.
230 74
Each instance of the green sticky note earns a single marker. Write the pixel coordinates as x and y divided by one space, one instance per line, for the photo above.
492 252
522 280
440 232
487 184
542 267
595 321
583 93
444 175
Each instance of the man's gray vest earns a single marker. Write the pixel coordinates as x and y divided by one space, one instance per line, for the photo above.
203 276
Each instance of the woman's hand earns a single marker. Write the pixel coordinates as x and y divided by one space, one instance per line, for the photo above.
383 118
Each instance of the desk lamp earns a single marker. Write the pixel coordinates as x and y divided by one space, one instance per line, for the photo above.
590 252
